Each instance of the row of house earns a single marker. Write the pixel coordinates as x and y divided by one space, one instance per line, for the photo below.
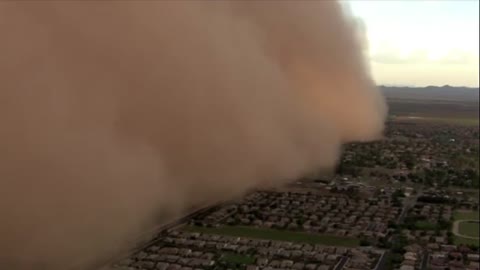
187 251
315 213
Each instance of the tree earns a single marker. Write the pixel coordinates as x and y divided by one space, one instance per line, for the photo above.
399 244
300 221
384 243
365 242
396 258
398 193
444 224
450 239
392 225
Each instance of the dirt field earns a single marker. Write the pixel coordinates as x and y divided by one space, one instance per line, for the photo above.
442 109
434 109
446 120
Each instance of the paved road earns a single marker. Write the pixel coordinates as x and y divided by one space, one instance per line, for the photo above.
382 262
341 263
408 203
456 226
424 261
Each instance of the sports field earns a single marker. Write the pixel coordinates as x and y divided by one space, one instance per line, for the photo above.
278 235
469 229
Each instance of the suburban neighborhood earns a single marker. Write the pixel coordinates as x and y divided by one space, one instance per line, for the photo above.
407 202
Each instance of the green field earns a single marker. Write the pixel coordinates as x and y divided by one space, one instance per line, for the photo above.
466 241
425 225
278 235
469 228
237 258
470 215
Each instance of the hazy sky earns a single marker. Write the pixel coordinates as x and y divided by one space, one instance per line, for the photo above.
421 43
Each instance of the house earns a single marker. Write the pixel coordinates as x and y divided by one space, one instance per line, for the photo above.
409 262
456 265
207 263
440 240
275 264
287 264
448 248
332 258
410 256
439 255
172 258
297 253
262 262
183 261
437 262
174 267
196 254
456 255
433 246
298 266
208 256
473 257
320 257
407 267
185 252
474 265
323 267
162 266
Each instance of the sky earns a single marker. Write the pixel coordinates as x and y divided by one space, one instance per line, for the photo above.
419 43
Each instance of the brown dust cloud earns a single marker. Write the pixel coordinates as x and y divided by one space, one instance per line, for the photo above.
117 115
